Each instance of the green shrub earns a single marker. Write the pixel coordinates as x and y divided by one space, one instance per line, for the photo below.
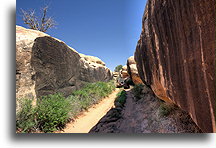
118 68
52 112
75 106
90 94
26 117
129 82
137 91
165 109
121 98
98 89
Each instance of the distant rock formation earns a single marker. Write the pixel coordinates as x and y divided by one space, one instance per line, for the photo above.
176 55
123 72
116 75
132 71
45 65
92 59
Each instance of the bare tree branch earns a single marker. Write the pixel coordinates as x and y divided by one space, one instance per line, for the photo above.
42 24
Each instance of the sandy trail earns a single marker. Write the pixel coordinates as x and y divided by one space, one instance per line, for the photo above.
90 118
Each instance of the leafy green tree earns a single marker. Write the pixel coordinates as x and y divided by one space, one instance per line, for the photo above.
118 68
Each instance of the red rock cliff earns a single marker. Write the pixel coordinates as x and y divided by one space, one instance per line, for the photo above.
176 55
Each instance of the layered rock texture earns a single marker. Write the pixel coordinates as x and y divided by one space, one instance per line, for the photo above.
176 55
45 65
132 71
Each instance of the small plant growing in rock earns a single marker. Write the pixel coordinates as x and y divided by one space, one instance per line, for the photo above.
129 81
137 91
165 109
121 98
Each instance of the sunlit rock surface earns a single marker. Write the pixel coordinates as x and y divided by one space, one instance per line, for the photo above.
46 65
176 55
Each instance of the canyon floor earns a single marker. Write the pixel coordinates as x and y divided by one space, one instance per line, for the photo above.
142 116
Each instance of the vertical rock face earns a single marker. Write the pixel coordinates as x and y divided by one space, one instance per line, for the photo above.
132 71
25 84
176 55
46 65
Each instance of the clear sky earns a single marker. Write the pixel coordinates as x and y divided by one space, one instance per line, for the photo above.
108 29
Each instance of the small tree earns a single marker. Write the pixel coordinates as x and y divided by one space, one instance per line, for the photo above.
42 23
118 68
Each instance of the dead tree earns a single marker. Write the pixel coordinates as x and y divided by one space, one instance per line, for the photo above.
42 23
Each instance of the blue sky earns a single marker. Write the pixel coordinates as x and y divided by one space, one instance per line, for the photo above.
108 29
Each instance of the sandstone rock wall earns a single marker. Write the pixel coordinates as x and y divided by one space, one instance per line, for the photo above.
132 71
46 65
176 55
25 84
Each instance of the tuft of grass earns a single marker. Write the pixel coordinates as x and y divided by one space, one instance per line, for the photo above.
121 98
165 109
137 91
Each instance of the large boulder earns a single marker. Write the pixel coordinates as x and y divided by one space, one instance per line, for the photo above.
132 71
46 65
176 55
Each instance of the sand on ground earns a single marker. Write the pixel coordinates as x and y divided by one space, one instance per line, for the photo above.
88 119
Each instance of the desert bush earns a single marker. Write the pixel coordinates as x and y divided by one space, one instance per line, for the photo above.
98 90
165 109
52 112
26 117
137 91
121 98
129 82
90 94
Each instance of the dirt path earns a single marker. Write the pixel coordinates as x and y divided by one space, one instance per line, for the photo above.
90 118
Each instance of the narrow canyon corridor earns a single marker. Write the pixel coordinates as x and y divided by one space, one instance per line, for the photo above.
163 82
